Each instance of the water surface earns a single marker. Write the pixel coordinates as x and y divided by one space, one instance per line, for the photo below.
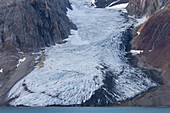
85 110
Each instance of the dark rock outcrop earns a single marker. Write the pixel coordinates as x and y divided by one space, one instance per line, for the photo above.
32 24
105 3
140 8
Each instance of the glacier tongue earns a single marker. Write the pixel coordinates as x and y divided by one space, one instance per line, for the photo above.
73 71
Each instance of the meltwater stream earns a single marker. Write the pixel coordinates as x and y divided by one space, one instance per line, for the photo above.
89 69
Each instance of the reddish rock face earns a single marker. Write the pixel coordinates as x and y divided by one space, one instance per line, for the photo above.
154 39
141 7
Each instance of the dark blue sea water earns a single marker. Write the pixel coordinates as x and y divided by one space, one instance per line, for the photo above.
84 110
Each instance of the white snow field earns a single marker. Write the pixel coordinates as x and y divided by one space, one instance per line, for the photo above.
72 71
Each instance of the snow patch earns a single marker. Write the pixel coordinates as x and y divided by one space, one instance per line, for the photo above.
1 70
141 21
93 2
113 3
119 7
136 52
21 52
163 7
150 51
20 61
138 33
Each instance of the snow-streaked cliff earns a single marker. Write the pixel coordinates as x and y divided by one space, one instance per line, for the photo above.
73 71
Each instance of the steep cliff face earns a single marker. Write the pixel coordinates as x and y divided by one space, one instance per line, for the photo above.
106 3
154 40
32 24
140 8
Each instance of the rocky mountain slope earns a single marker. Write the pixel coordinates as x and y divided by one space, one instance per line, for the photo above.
153 38
140 8
32 24
27 26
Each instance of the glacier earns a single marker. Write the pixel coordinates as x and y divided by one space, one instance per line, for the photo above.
73 71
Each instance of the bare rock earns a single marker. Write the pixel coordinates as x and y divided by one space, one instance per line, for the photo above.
140 8
33 24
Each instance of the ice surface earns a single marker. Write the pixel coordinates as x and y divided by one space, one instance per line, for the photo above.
72 71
